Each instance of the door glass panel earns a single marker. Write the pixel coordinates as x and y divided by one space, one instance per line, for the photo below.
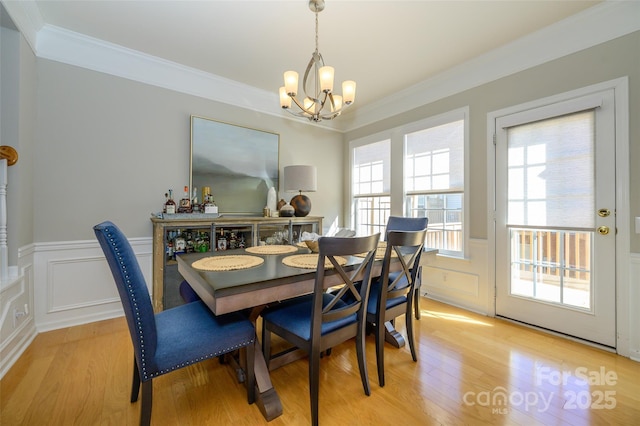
577 271
552 266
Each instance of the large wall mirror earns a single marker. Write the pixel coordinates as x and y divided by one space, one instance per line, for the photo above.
239 164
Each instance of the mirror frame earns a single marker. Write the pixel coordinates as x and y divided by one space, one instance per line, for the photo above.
238 163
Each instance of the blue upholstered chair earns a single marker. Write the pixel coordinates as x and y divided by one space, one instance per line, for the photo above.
172 339
399 223
187 293
322 320
391 295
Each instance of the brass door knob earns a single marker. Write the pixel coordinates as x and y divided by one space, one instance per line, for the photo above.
604 212
603 230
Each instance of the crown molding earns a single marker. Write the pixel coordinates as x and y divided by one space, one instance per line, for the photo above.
601 23
598 24
26 16
59 44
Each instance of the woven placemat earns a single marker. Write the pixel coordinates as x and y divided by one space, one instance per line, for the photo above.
274 249
310 261
227 263
382 247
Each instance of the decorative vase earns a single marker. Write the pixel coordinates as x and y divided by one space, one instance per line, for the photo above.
281 203
301 204
272 199
287 210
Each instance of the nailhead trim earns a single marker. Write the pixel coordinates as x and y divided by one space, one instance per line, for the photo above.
202 358
134 302
143 363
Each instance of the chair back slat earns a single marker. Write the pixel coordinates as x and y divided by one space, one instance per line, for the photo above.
132 288
408 246
400 223
336 308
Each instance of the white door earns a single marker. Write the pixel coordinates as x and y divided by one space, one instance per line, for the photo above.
555 217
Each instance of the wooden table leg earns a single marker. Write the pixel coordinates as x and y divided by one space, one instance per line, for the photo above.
267 399
392 336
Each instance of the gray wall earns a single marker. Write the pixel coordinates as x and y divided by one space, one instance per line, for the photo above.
607 61
109 148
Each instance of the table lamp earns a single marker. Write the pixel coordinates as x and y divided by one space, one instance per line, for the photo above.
300 178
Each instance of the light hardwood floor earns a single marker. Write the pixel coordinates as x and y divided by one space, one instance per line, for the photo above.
471 370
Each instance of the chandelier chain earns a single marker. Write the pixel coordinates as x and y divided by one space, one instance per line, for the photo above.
316 32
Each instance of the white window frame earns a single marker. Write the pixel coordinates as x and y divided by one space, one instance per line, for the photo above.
438 120
397 193
380 227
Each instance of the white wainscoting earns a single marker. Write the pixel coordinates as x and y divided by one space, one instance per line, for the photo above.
17 328
459 282
73 284
62 284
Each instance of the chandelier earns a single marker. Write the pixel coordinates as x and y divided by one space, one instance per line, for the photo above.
317 85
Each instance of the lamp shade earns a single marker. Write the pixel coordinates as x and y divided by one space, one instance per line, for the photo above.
300 178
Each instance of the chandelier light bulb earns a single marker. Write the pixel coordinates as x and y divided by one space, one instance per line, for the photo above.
309 105
349 91
337 103
326 78
285 100
291 82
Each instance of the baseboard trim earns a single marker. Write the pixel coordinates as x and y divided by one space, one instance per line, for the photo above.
9 359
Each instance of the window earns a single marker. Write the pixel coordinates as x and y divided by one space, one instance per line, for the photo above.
434 182
416 170
371 171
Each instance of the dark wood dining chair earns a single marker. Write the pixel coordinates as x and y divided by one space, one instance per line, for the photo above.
400 223
174 338
322 320
391 295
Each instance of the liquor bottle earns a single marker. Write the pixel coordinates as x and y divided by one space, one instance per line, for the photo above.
185 202
179 243
222 241
169 250
206 193
209 204
233 241
195 206
170 205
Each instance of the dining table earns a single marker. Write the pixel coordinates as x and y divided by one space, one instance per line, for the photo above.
250 279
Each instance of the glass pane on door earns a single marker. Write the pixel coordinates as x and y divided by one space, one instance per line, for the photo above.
552 266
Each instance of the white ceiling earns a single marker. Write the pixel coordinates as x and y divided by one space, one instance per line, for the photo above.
385 46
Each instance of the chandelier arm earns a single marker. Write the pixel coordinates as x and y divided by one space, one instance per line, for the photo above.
298 114
332 102
314 64
334 114
328 117
306 111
